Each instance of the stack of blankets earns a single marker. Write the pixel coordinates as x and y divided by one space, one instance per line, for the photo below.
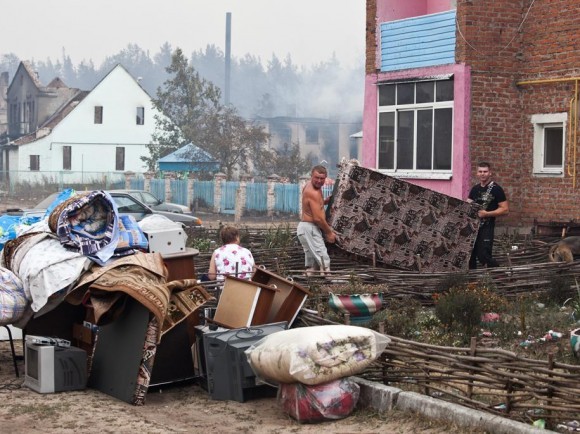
81 243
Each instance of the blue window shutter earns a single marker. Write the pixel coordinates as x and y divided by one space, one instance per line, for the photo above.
416 42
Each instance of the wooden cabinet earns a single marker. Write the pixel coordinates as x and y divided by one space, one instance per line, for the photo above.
180 265
288 300
244 303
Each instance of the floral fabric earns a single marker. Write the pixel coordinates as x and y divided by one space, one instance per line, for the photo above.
233 260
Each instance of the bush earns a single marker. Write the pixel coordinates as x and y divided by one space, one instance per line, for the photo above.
459 310
560 288
399 317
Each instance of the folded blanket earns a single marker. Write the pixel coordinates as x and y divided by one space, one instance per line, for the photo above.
130 235
46 267
315 355
88 223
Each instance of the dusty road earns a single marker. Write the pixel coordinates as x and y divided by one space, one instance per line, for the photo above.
186 408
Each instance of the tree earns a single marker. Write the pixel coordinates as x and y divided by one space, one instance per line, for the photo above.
235 143
191 113
186 104
285 162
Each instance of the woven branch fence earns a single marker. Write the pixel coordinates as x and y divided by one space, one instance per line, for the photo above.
488 379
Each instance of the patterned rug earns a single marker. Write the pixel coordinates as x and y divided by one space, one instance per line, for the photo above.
402 224
187 297
141 276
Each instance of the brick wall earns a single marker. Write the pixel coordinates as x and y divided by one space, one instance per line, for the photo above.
371 37
502 51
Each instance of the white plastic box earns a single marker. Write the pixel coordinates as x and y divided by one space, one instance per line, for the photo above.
166 241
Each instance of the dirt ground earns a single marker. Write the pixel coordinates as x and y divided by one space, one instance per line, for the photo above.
177 408
181 408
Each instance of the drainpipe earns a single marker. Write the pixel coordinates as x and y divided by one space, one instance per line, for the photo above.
573 114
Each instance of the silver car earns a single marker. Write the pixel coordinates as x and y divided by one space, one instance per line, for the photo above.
126 204
153 202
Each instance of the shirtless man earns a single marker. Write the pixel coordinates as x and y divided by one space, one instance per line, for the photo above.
313 225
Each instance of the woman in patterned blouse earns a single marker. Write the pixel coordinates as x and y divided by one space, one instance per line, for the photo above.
231 259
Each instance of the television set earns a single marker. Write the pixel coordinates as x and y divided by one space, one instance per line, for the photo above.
53 368
227 371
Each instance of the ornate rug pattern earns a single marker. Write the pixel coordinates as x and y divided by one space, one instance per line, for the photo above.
402 224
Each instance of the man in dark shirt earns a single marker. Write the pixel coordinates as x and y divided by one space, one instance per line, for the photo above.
493 203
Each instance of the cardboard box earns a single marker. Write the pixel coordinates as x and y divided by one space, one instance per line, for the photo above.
166 241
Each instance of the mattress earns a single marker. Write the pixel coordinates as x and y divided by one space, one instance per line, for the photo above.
402 224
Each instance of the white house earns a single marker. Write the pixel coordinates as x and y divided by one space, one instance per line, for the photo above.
103 132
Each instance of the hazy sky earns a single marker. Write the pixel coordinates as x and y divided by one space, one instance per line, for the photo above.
308 30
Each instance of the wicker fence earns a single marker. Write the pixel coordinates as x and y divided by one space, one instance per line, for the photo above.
488 379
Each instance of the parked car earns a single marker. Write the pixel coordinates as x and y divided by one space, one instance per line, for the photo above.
153 202
126 204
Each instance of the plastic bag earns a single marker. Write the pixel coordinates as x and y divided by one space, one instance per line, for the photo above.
66 194
315 355
329 401
8 226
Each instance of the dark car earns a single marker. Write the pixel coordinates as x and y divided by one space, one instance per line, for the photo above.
126 204
153 202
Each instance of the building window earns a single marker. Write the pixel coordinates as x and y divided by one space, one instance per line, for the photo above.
66 157
98 114
311 135
120 158
549 143
285 134
140 115
415 127
35 162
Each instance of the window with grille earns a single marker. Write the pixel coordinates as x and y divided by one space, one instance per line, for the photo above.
549 143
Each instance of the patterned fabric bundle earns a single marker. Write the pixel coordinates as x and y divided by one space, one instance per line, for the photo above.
88 223
360 307
329 401
13 302
43 265
141 276
187 297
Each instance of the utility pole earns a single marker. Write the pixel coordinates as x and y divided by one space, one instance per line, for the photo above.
228 57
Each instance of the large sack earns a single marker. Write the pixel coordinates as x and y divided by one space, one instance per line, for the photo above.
315 355
13 302
328 401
